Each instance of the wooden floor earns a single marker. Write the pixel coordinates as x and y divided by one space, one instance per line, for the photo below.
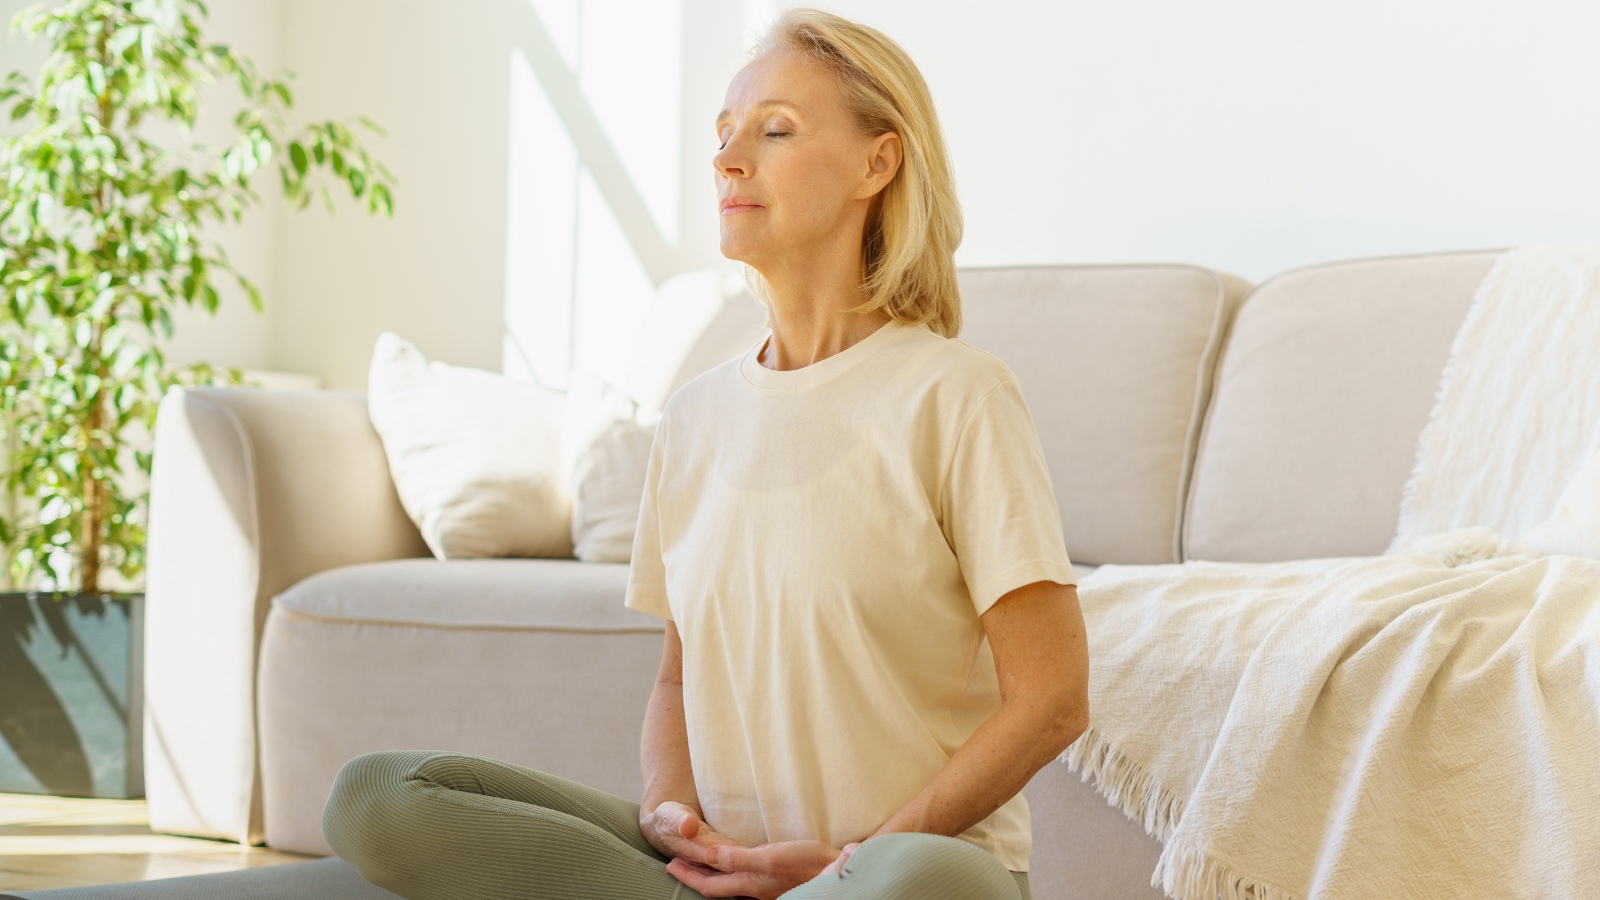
51 842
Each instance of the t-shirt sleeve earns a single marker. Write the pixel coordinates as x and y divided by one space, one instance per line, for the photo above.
999 508
647 574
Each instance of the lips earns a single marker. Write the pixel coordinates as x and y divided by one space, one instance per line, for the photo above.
734 205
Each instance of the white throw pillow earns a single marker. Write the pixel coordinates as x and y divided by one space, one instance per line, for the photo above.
1574 528
475 456
606 439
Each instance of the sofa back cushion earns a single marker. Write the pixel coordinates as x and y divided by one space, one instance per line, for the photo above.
1115 363
1327 379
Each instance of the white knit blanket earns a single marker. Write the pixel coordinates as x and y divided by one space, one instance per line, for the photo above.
1518 409
1355 728
1392 726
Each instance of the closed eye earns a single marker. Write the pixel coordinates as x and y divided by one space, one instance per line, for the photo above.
771 134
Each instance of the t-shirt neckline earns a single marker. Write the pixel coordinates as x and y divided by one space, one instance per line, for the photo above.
798 379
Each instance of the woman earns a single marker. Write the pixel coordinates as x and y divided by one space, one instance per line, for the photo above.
873 639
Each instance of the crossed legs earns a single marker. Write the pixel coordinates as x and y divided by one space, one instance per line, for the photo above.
447 826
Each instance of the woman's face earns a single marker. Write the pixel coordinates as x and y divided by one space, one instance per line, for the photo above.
794 174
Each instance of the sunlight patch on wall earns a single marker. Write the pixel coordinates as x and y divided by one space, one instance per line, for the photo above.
631 70
613 292
541 215
576 287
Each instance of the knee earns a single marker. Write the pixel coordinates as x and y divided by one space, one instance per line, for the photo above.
925 865
366 805
364 783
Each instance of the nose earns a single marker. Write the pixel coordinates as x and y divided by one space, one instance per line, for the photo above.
731 161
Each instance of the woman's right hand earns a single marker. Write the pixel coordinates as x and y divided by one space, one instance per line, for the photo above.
676 830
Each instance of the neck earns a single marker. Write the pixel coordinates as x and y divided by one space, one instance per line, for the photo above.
813 309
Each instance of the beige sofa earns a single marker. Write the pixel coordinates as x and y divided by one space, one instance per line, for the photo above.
294 620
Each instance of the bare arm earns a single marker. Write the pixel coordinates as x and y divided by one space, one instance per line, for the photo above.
1041 654
670 816
664 749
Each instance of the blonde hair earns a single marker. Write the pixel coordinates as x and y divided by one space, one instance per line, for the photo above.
910 241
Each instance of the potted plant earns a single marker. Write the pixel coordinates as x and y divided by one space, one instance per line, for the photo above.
101 238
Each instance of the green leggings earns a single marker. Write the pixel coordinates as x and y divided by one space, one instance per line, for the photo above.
446 826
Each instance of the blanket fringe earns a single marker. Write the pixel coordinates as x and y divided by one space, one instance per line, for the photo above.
1186 873
1183 872
1126 783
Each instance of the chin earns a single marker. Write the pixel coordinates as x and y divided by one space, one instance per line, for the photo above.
738 250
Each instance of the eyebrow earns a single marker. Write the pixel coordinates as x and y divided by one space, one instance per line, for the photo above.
728 113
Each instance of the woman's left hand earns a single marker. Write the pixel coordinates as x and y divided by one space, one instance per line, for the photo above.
765 872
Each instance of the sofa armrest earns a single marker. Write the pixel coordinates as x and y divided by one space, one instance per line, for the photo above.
252 491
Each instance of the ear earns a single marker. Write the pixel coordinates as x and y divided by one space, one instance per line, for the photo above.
883 161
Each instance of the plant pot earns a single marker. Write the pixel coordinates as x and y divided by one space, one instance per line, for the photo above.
72 694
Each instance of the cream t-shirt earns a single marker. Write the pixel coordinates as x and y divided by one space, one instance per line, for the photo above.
825 540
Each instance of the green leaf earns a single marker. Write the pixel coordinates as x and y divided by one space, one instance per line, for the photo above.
103 233
122 40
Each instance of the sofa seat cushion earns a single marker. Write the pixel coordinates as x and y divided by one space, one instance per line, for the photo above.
534 594
1324 387
1115 363
535 662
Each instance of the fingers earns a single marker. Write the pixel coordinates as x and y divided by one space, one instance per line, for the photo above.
672 829
693 841
726 858
712 883
678 817
689 824
674 820
679 831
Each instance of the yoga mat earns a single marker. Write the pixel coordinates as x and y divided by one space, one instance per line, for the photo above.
321 879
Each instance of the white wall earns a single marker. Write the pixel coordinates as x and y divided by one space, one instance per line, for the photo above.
1248 136
1255 136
